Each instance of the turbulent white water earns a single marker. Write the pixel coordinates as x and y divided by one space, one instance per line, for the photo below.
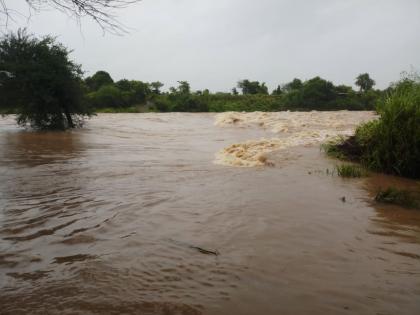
290 129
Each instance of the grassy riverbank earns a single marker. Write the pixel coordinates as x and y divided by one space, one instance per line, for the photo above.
390 144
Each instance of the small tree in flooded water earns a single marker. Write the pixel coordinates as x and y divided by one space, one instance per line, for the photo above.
44 88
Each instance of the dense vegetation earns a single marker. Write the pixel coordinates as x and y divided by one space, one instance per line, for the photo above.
315 94
350 170
46 89
392 143
39 83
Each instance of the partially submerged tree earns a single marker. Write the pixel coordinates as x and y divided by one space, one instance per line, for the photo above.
44 86
101 11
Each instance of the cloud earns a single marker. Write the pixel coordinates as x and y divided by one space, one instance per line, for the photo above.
214 43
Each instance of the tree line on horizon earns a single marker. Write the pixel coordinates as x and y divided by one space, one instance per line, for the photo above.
105 94
47 90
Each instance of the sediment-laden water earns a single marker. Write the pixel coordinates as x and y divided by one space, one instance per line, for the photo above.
291 129
123 217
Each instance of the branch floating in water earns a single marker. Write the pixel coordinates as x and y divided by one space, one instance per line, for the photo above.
205 251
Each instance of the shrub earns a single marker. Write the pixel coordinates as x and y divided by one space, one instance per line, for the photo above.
161 103
392 143
107 96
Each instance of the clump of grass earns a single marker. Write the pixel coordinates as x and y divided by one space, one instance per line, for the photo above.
399 197
350 171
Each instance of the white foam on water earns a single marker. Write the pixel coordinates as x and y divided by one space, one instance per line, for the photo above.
293 129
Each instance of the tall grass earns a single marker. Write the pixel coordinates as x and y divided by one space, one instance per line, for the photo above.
390 144
350 171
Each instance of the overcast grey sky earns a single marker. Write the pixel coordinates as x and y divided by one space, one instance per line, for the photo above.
214 43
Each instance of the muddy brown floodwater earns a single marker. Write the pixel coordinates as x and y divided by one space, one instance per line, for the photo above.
110 219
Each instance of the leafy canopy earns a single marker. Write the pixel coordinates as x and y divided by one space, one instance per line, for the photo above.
364 82
43 86
252 87
99 79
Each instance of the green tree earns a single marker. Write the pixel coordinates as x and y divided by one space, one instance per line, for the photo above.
44 87
296 84
318 93
156 86
364 82
184 87
252 87
99 79
107 96
4 75
162 103
315 93
141 91
344 90
123 85
277 91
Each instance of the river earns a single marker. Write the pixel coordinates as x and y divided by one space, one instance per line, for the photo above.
125 215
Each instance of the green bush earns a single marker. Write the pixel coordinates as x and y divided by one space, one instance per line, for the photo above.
320 94
392 143
99 79
161 103
113 110
107 96
246 103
